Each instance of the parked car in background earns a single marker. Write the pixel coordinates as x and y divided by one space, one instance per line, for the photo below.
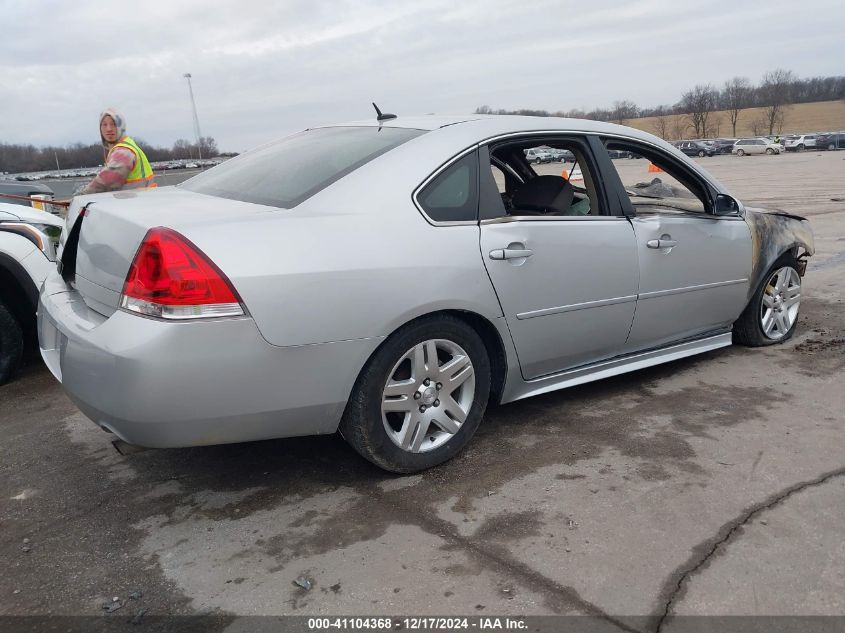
722 145
746 146
28 240
615 153
559 155
538 155
798 143
694 148
26 190
830 140
169 325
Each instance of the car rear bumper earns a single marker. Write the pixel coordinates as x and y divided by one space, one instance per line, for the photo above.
161 384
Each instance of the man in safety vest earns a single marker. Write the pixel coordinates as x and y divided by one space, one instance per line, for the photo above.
126 166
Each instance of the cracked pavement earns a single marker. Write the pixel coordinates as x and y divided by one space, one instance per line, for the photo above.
711 485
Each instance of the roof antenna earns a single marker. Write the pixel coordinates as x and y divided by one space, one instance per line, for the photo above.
383 117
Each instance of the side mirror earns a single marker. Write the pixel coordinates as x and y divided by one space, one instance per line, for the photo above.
725 205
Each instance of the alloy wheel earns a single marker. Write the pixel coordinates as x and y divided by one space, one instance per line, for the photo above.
428 395
781 300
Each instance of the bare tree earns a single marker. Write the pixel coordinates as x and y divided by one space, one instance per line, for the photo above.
698 103
485 109
735 98
662 119
713 126
776 96
209 146
623 110
680 125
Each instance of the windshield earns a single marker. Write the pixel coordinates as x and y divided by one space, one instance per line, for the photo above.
288 172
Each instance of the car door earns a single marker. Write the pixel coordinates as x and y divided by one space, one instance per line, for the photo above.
694 266
567 284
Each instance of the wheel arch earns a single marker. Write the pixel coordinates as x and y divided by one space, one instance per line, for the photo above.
490 336
773 236
18 292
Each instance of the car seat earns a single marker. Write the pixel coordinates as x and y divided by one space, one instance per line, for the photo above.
543 195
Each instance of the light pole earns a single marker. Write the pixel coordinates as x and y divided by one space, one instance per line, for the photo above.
197 132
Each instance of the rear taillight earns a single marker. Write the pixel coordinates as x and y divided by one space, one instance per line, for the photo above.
170 278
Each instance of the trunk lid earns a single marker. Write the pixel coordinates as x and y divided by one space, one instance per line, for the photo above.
115 224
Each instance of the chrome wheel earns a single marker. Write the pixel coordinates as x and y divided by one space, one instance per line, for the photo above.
428 395
781 300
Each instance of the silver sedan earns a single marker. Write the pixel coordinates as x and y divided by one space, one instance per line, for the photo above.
388 278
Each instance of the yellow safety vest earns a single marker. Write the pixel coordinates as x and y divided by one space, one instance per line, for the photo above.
141 176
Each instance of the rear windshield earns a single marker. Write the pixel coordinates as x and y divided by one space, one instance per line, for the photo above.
288 172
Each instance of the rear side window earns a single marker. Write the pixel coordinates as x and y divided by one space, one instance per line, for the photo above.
453 195
288 172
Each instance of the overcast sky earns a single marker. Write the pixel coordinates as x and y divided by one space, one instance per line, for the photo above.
263 69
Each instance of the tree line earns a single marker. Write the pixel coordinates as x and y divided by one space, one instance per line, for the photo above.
29 158
777 90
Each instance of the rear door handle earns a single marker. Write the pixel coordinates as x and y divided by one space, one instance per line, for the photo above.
661 243
510 253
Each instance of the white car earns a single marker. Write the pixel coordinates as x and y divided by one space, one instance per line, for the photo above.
539 155
28 241
800 143
756 146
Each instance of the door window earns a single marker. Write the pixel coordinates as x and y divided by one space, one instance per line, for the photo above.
564 187
656 183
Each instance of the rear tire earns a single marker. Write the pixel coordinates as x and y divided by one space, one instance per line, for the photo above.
762 323
11 344
392 418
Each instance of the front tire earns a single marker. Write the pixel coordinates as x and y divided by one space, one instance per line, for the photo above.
801 147
421 397
770 151
11 344
772 314
831 147
740 152
701 153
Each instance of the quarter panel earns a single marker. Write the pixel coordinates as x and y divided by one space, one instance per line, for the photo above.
182 384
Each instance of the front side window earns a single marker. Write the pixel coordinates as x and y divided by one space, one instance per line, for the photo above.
288 172
453 195
656 183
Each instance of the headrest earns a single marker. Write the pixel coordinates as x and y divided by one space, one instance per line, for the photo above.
547 194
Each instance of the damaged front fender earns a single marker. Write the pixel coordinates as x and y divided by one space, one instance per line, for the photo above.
774 233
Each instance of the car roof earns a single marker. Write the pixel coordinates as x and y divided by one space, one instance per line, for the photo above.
488 125
452 134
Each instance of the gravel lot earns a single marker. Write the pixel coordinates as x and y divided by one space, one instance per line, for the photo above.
711 485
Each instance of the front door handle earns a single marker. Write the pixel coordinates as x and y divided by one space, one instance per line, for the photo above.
661 243
511 253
